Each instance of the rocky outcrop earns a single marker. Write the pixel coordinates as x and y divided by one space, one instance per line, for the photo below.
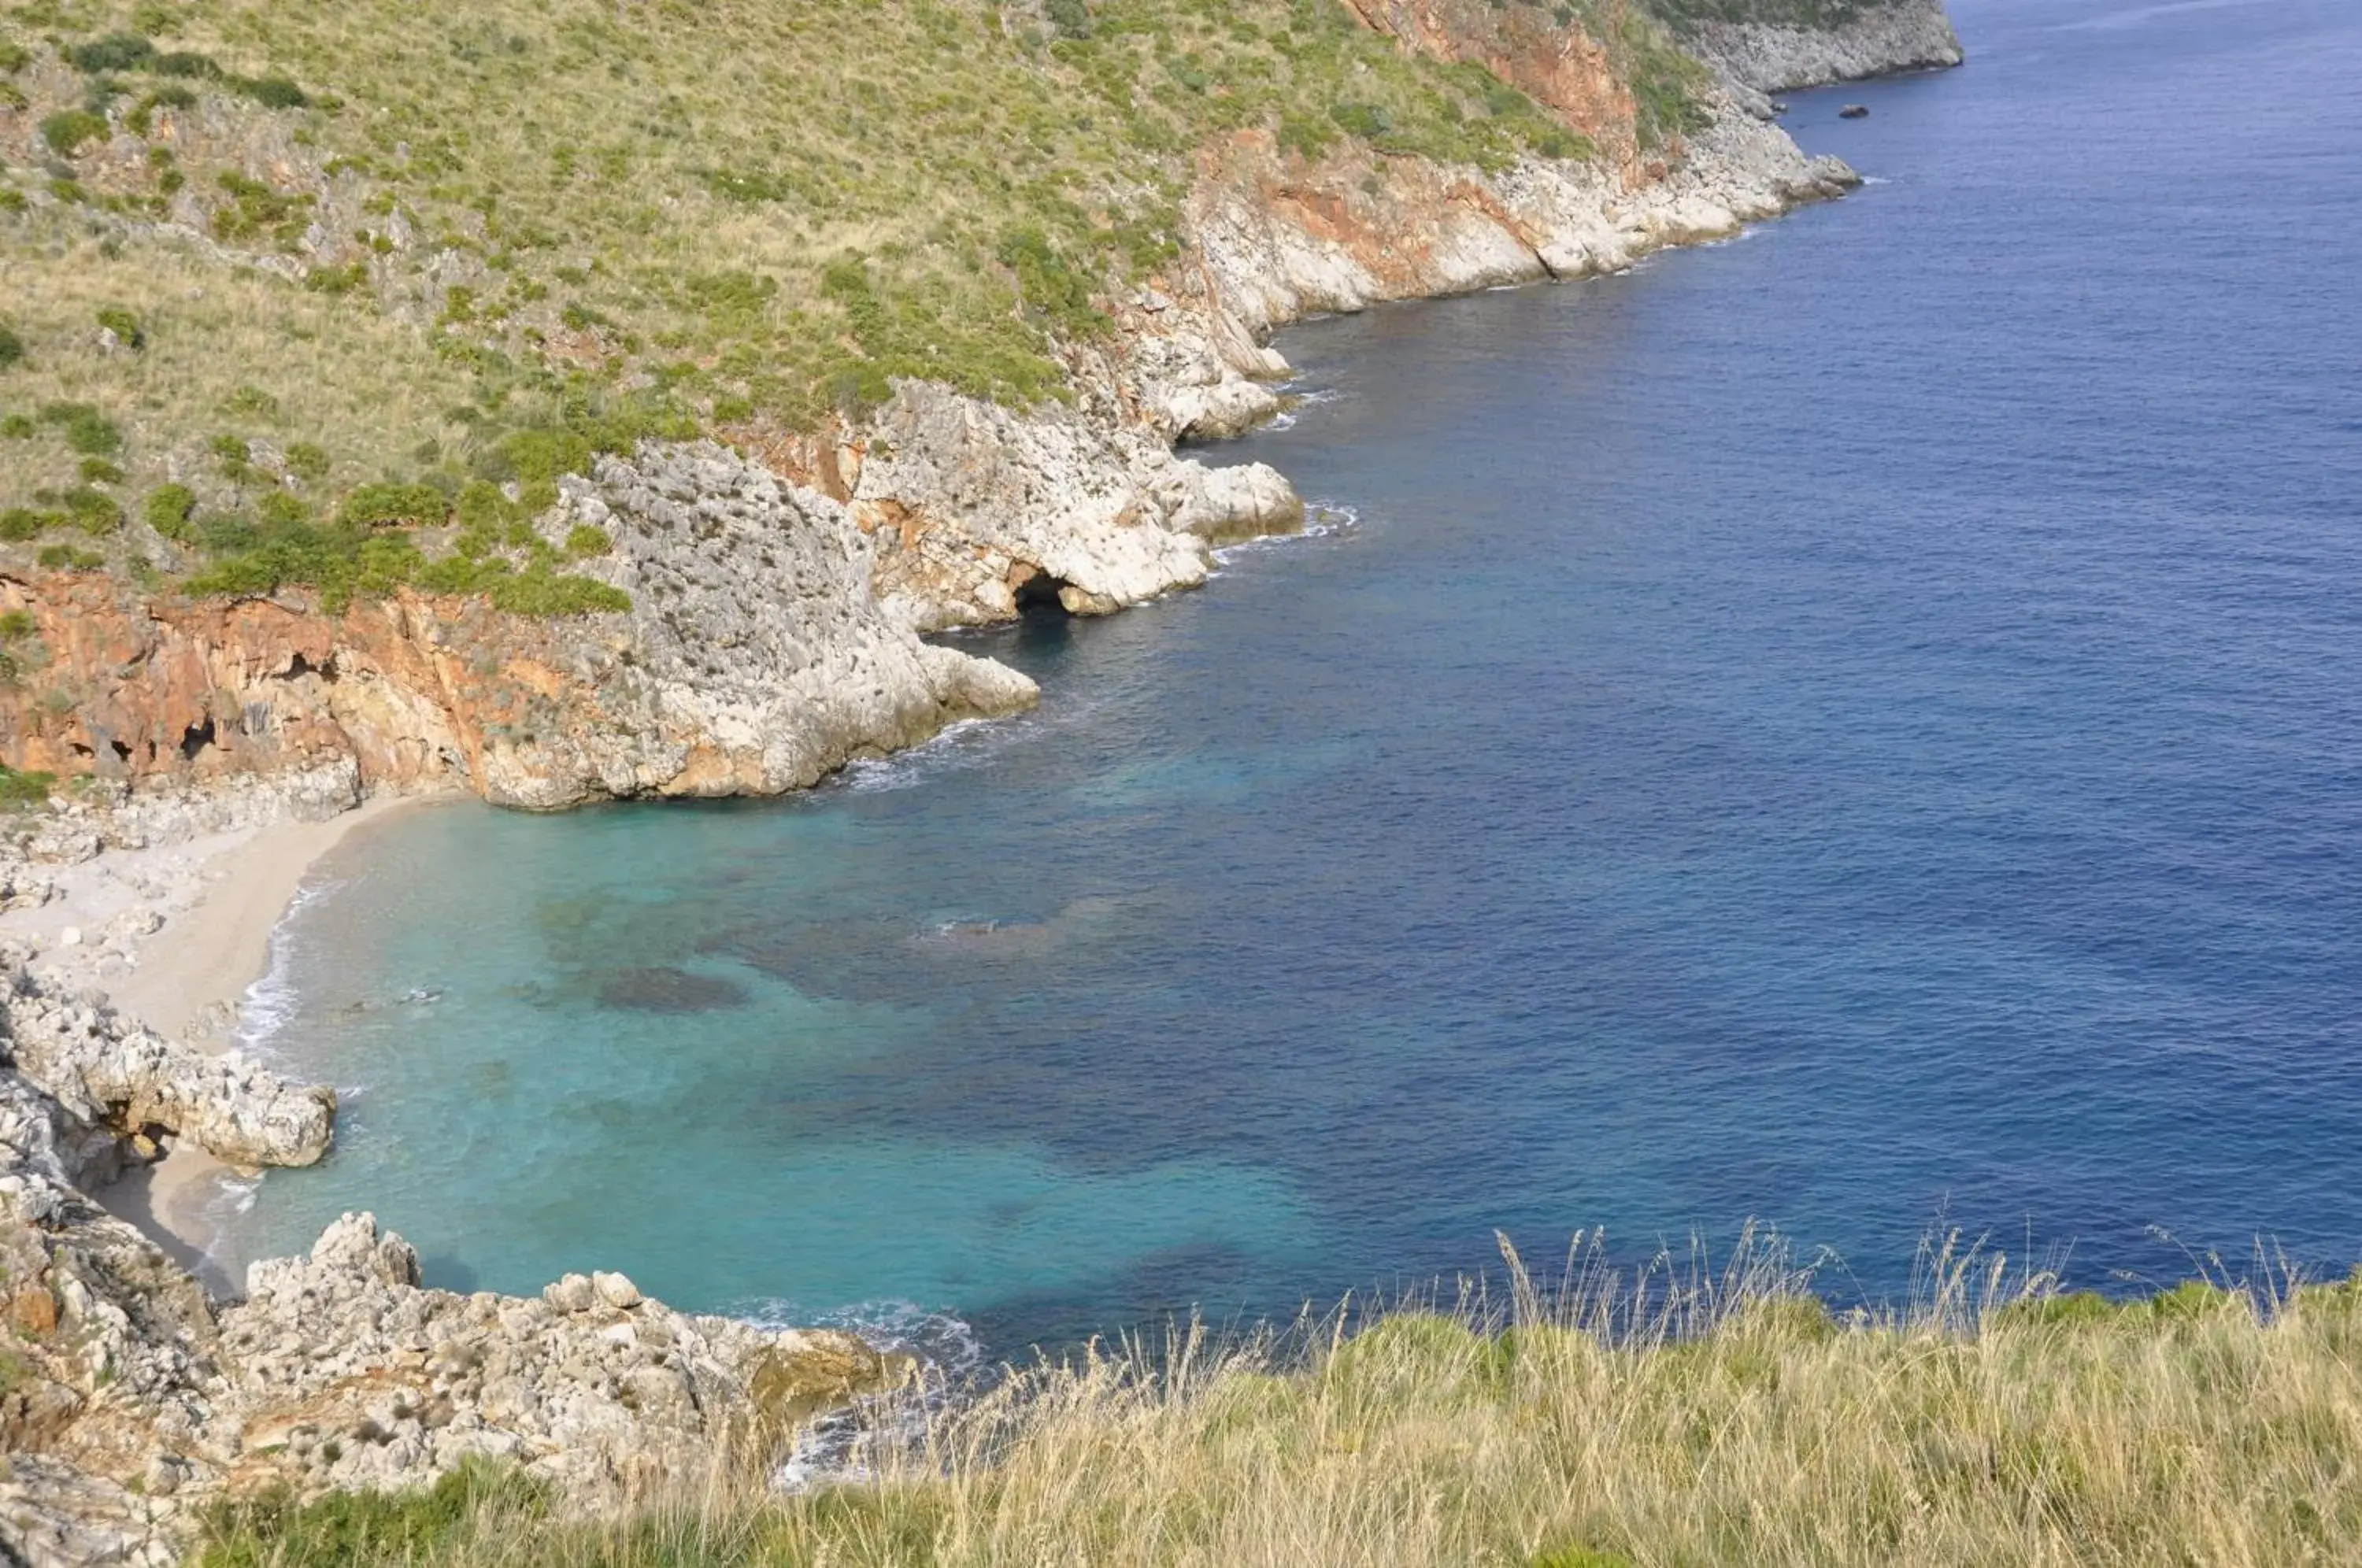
127 1396
1875 39
104 1072
755 658
778 600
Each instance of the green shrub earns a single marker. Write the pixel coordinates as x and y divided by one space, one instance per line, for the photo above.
142 117
67 129
66 557
12 347
1050 283
308 461
19 790
18 523
1365 120
416 1526
86 430
116 51
234 458
98 470
18 426
270 92
337 280
255 209
585 539
124 325
1072 18
15 626
184 63
13 58
168 509
386 504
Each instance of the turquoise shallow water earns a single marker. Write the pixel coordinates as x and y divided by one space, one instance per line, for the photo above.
1860 727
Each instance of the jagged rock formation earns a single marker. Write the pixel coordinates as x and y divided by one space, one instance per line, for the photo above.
125 1394
1878 39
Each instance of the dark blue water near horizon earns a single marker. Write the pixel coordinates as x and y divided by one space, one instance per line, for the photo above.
1858 727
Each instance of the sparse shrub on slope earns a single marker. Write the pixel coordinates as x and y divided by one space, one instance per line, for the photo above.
443 225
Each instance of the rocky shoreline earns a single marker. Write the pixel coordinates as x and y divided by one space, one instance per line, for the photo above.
1879 40
129 1396
781 593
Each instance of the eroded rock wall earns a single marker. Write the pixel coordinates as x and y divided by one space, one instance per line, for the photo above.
1877 41
753 659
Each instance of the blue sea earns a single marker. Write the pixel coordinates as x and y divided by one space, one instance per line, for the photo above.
1858 728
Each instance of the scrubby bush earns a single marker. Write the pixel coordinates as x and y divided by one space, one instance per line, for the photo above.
20 789
86 430
12 347
116 51
124 325
270 92
98 470
67 130
185 63
167 510
307 460
386 504
142 117
256 210
587 539
232 457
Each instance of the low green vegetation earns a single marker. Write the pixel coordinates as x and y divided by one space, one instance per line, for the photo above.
432 238
1723 1419
18 791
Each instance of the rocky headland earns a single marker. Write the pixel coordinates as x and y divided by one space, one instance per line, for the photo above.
1869 40
782 589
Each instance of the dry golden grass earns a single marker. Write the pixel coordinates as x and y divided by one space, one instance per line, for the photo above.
1727 1421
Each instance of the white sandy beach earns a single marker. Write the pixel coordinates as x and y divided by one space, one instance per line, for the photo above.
219 897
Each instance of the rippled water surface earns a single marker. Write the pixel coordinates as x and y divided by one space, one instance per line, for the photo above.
1854 727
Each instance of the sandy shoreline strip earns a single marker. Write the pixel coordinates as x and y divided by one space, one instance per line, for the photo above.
185 979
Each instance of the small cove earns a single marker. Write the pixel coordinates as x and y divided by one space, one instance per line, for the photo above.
1858 727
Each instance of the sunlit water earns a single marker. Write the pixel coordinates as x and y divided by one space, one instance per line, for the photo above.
1860 727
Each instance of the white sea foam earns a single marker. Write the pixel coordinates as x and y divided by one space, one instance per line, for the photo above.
1323 520
1299 401
841 1446
269 1004
955 745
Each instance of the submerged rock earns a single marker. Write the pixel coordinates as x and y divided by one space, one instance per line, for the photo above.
1854 111
660 989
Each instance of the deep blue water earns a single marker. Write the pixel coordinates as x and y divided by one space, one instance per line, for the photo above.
1858 727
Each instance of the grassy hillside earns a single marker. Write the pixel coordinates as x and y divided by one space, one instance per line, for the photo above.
1736 1424
256 256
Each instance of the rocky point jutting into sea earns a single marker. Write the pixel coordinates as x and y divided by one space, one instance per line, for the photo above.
781 592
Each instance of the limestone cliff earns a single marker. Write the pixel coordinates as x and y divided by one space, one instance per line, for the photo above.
1868 39
780 592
